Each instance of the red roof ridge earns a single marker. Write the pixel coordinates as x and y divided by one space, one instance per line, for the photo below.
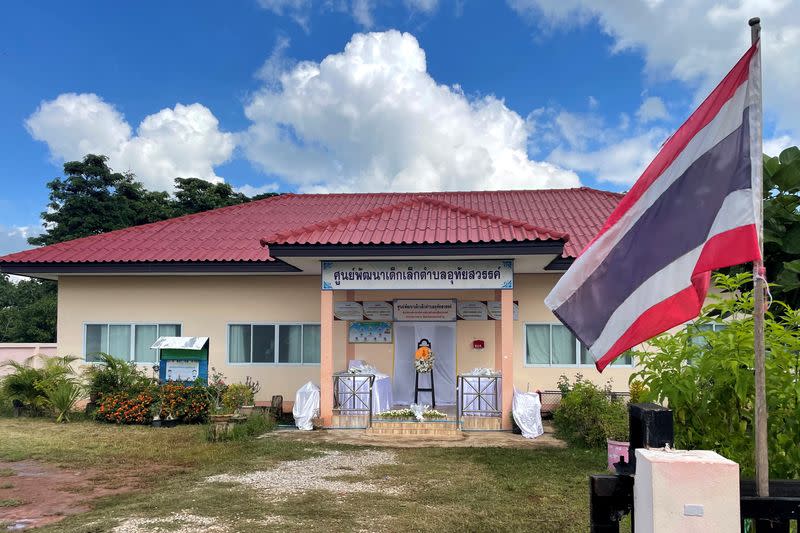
457 191
369 213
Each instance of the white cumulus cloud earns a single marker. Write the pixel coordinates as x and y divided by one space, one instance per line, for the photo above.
183 141
253 190
620 162
695 41
652 109
775 145
15 238
372 118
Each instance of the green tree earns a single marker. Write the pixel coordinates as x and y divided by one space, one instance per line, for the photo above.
782 224
93 199
27 310
193 195
704 373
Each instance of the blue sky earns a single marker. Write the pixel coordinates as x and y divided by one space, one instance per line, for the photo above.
297 95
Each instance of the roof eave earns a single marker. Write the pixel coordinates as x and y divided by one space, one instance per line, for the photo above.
145 267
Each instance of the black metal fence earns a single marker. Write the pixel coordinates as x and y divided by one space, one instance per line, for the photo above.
551 399
779 512
611 496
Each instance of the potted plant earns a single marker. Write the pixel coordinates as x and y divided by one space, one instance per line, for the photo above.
617 447
155 411
220 413
247 407
235 397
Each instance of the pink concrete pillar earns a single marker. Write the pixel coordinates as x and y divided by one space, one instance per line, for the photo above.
507 350
350 349
326 358
498 343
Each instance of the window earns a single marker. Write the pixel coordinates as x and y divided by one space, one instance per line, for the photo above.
130 342
555 345
293 344
696 336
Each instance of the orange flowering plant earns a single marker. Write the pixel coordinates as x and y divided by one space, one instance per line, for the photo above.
177 401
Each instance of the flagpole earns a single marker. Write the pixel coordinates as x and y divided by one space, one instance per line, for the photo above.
759 286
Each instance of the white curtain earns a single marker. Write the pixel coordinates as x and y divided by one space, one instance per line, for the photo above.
239 343
289 344
144 337
537 338
119 341
96 340
563 346
442 336
311 343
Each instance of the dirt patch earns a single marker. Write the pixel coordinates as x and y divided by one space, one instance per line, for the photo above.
47 493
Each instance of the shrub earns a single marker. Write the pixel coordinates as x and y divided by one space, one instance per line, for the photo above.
588 415
122 408
705 374
215 390
111 375
255 425
638 391
62 395
186 403
237 395
28 383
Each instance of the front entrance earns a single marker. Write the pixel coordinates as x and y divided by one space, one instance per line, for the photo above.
442 336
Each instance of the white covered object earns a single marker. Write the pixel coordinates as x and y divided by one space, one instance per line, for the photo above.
306 406
527 411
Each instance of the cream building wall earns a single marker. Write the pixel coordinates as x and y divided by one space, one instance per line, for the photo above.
205 305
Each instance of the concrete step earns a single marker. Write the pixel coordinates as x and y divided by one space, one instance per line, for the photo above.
438 429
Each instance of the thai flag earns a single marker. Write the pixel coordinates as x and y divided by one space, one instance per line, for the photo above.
696 208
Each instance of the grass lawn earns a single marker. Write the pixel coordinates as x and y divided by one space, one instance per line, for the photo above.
424 489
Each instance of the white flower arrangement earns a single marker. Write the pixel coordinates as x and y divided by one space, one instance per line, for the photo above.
425 413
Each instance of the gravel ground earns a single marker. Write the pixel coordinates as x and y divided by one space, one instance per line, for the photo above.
292 477
187 522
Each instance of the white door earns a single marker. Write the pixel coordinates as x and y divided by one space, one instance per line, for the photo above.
442 336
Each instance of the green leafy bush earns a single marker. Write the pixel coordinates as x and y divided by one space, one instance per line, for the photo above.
255 425
588 415
30 381
237 395
705 374
111 375
62 395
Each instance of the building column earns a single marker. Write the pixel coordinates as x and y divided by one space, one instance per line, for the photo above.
350 349
498 343
326 358
507 351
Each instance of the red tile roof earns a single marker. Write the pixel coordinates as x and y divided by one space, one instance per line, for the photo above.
420 220
235 233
